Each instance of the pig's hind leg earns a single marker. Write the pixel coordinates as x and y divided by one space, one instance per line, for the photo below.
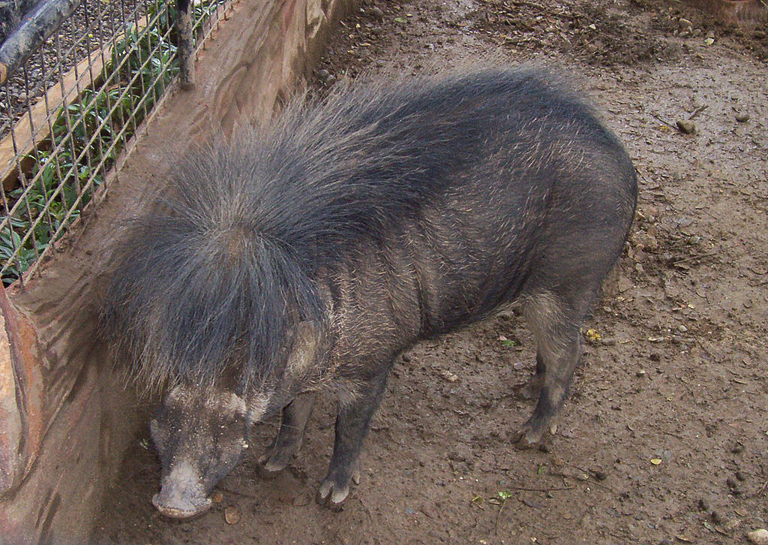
555 322
533 388
290 437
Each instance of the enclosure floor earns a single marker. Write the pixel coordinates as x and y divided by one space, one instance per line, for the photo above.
665 435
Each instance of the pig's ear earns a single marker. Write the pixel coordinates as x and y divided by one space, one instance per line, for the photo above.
306 347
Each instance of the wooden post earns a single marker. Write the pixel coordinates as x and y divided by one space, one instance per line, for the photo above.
11 13
37 25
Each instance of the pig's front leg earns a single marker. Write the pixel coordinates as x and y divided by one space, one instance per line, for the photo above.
291 435
358 400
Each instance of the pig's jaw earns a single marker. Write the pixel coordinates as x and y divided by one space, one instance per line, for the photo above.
182 495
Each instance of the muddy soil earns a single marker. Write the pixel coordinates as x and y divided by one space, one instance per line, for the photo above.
665 436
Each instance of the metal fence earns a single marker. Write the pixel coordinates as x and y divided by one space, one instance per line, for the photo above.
71 111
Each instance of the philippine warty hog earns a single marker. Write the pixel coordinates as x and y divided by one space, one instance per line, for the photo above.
317 251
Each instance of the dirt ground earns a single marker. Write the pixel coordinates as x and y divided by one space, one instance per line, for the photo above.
665 436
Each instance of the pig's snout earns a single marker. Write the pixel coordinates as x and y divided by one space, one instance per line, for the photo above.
180 506
182 495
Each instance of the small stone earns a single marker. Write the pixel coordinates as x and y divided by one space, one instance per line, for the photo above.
740 476
376 11
217 497
758 537
682 329
703 505
449 376
323 75
686 126
232 514
742 118
331 80
641 239
738 448
640 373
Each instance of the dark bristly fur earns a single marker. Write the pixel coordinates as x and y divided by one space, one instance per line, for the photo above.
330 244
202 288
217 281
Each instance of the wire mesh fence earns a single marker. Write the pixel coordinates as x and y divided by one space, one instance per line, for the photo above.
71 113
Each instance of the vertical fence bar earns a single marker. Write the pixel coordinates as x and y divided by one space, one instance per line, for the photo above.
185 44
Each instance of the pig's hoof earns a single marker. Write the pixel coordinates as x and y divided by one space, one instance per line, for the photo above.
269 468
275 460
266 472
532 438
332 493
277 457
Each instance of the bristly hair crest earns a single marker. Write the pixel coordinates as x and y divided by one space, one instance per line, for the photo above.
199 291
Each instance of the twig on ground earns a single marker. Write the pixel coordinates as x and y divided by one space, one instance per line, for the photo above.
236 493
697 111
668 124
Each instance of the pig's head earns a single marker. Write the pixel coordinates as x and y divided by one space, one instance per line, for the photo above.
201 433
200 436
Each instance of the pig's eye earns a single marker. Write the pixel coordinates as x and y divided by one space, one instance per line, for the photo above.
158 436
